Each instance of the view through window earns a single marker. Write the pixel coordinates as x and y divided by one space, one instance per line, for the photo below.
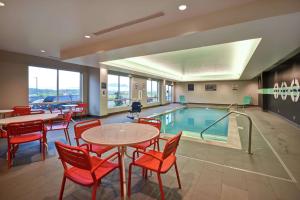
118 90
52 85
152 91
169 93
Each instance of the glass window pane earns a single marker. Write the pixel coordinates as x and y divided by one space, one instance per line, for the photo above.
112 89
148 88
167 92
69 86
124 90
155 91
42 85
118 89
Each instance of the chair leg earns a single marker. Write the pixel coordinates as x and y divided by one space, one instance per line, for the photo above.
62 188
162 195
177 174
40 145
129 181
143 173
43 150
158 145
95 186
146 174
121 181
67 136
9 156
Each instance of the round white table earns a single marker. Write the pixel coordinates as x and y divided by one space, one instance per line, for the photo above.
24 118
3 112
121 136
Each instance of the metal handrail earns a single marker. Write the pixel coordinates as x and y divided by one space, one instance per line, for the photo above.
240 113
233 104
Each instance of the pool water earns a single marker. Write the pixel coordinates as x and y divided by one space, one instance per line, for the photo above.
193 120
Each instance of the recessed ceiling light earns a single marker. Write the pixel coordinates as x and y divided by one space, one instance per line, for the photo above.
182 7
2 4
87 36
43 51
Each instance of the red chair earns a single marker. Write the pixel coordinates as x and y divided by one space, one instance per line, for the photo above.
81 110
21 110
23 132
80 127
3 133
84 169
61 124
153 122
159 162
57 111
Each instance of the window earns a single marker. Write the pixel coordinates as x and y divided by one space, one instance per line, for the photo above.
169 93
118 90
69 86
42 84
52 85
152 91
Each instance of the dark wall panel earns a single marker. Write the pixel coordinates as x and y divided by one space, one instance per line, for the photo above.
281 86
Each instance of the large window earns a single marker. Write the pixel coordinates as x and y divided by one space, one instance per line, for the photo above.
118 90
169 93
69 86
52 85
152 91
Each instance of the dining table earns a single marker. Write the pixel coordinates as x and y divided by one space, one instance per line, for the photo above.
23 118
120 135
4 112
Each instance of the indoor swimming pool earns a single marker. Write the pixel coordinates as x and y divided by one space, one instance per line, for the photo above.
194 120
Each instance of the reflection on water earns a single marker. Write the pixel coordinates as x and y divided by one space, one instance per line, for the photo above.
195 120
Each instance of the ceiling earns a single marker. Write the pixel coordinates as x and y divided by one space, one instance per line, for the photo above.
32 25
223 61
280 36
199 39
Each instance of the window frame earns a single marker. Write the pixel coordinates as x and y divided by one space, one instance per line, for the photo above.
169 97
118 91
57 87
151 92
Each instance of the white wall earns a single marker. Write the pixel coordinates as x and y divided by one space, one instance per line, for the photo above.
94 91
223 95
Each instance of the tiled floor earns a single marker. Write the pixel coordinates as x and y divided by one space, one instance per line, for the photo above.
206 171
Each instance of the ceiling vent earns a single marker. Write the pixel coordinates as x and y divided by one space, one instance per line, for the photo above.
130 23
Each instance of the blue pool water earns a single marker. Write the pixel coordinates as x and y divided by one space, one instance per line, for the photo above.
193 120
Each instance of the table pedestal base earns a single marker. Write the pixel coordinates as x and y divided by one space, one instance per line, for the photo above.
122 151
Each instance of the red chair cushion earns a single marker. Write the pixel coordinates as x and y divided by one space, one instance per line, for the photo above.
26 138
84 177
99 149
151 163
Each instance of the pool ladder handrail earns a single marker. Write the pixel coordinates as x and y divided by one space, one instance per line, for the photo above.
240 113
233 104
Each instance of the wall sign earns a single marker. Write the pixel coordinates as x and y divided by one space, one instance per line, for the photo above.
210 87
103 85
190 87
284 91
